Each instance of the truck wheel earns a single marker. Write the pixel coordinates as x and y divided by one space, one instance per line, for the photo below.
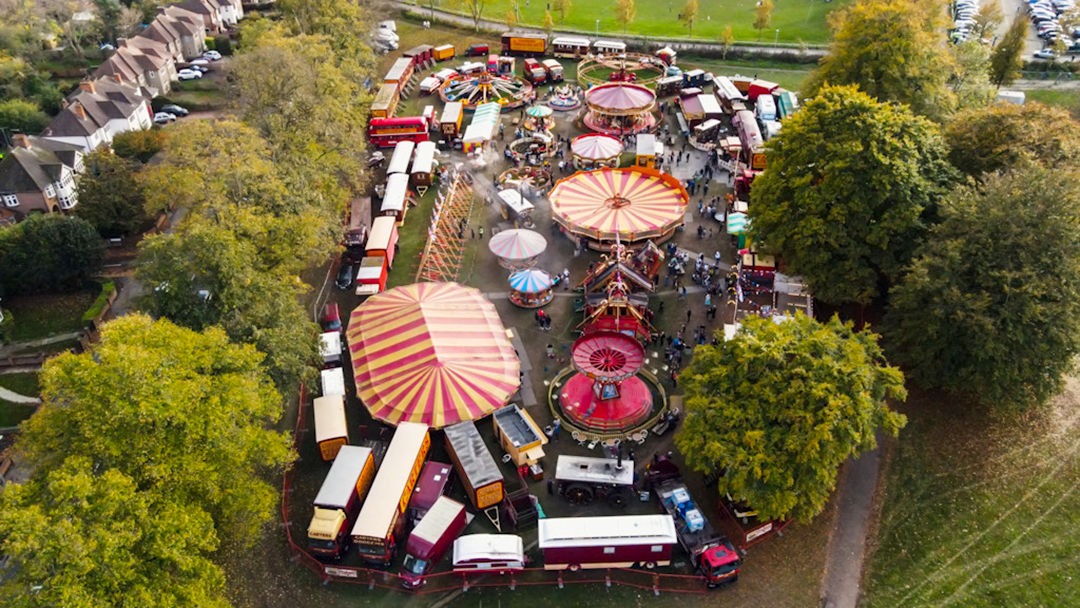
579 494
575 567
618 499
650 565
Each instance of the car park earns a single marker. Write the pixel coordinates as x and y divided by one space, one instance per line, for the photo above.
164 118
189 74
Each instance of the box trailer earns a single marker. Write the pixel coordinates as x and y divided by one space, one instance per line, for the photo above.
573 543
499 553
395 197
383 239
434 482
525 45
450 121
331 426
400 159
386 101
442 524
609 47
338 501
333 382
381 522
423 167
371 276
534 72
476 468
330 348
444 52
518 435
554 70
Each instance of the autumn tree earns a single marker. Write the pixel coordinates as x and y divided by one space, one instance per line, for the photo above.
110 197
342 24
475 9
987 19
625 13
75 536
562 7
184 414
1005 136
1005 61
21 116
727 40
549 23
50 253
205 274
849 183
140 145
780 407
762 16
894 50
991 305
688 15
970 81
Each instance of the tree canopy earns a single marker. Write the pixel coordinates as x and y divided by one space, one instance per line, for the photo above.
182 413
1002 136
991 305
49 253
77 538
110 197
781 406
1005 62
894 50
848 185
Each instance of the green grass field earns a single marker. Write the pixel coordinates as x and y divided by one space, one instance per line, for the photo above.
42 316
980 510
12 414
797 20
1065 98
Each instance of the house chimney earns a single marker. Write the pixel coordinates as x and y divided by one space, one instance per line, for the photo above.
121 43
80 111
20 140
87 85
119 78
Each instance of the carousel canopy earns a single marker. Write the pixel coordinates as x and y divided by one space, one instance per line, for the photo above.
634 202
620 97
530 281
737 223
539 111
596 147
434 353
517 244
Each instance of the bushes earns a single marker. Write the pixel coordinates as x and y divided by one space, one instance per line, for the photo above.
140 145
108 289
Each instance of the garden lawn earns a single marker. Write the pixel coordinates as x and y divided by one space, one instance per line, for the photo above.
1065 98
12 414
42 316
980 510
797 20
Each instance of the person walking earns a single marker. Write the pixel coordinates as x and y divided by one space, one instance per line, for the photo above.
688 316
551 351
716 256
481 233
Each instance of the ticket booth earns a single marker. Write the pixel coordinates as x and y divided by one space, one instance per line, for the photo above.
646 151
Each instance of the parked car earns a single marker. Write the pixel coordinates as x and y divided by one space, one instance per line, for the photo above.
175 110
476 50
212 55
1045 54
188 74
331 318
345 274
164 118
199 61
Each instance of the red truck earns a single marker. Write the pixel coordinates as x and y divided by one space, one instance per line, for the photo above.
712 554
534 72
338 500
429 540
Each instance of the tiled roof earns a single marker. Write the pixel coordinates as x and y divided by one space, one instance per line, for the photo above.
34 168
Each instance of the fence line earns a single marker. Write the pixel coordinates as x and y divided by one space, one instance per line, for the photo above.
441 582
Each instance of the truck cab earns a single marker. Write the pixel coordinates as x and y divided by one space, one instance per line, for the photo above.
554 70
534 72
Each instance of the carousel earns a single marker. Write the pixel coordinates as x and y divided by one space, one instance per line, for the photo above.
624 67
633 205
524 179
595 151
517 249
434 353
620 108
531 288
605 395
564 99
471 90
538 120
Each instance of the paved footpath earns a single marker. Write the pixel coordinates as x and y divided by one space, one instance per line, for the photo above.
843 568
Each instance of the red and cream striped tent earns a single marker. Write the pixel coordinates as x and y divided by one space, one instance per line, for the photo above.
435 353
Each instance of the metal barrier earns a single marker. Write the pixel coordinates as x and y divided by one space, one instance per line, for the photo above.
440 582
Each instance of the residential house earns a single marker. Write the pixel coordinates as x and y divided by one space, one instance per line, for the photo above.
207 10
39 175
141 62
98 111
181 31
229 11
